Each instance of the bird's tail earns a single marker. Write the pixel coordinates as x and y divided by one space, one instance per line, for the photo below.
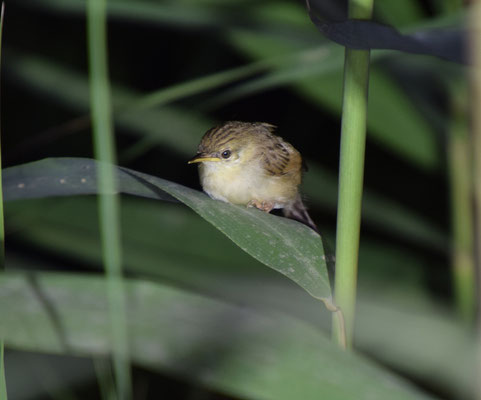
298 211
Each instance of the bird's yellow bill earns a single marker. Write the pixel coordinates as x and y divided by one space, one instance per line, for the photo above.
201 158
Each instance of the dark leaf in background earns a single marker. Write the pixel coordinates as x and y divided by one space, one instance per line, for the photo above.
448 44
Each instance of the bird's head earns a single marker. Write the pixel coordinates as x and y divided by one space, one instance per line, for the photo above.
231 143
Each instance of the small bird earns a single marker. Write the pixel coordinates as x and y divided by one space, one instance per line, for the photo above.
246 163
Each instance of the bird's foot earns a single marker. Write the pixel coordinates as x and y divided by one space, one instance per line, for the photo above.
266 206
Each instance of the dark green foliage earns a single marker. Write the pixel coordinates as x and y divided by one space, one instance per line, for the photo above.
203 315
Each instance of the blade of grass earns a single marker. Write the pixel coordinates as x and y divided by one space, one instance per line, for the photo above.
108 204
351 172
475 54
460 164
198 85
3 384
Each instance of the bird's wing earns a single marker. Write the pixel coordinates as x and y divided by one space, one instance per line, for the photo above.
281 158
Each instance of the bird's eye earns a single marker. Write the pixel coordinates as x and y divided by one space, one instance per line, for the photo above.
226 154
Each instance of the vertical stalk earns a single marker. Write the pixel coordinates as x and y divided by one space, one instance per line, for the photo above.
3 383
351 173
104 149
460 165
476 121
460 177
475 52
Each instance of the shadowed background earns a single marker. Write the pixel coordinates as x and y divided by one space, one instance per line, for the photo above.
268 63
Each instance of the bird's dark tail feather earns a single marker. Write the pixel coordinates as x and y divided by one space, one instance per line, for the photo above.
298 212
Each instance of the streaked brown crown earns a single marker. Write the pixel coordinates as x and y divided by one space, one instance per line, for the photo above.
279 157
219 136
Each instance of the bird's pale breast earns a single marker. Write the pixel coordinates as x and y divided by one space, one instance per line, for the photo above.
240 184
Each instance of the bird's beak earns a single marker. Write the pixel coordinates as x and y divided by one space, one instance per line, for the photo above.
201 158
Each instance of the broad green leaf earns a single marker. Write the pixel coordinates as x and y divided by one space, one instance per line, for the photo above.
249 355
161 241
68 226
398 321
287 246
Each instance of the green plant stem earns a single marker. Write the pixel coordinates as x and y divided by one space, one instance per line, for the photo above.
104 146
460 181
476 124
460 174
351 173
475 102
3 383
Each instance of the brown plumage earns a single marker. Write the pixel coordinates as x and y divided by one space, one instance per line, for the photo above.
246 163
